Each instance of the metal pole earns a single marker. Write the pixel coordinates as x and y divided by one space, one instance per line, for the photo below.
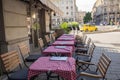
103 11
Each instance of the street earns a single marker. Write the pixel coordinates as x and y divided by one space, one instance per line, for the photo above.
110 39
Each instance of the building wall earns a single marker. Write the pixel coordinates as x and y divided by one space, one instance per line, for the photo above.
47 18
106 11
80 17
68 8
15 22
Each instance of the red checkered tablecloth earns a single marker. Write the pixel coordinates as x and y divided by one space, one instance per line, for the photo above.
67 51
64 43
65 69
66 38
67 35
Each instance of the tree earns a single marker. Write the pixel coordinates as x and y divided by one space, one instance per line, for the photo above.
87 17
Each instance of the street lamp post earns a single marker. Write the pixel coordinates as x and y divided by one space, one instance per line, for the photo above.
103 10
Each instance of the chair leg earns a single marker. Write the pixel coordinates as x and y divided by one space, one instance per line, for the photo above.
48 75
58 78
83 67
62 78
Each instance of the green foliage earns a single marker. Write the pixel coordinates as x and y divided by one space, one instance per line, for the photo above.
87 17
36 26
64 26
75 24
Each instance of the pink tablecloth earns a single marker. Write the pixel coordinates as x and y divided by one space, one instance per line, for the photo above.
65 69
65 51
63 43
68 35
66 38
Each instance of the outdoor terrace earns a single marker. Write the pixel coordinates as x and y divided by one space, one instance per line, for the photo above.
113 72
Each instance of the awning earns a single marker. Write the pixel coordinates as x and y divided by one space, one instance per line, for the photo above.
49 4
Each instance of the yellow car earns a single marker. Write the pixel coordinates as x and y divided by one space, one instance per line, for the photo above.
88 27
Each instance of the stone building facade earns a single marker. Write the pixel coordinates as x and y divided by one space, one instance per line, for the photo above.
13 26
106 11
68 8
17 18
80 16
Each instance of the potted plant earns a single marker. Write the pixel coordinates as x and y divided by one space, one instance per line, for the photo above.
35 28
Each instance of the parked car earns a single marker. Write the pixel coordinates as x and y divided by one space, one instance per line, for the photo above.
88 27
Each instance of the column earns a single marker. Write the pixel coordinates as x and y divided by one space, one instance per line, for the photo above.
3 44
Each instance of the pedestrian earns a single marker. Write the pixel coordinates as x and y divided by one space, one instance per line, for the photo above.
118 24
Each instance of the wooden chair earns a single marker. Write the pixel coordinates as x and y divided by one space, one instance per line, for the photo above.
100 72
83 48
84 45
48 40
26 55
85 57
83 40
53 37
12 66
41 44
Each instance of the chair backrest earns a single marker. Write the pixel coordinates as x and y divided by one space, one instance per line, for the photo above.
24 50
88 42
47 38
91 50
103 64
40 40
53 36
10 60
78 37
84 39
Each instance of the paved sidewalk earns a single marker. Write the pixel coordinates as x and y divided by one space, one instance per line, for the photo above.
108 43
113 72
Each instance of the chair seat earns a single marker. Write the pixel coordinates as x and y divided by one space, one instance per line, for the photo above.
39 54
32 58
81 45
50 44
19 75
81 50
88 78
83 58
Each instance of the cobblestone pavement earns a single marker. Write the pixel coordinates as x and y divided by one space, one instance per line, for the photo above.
113 72
108 43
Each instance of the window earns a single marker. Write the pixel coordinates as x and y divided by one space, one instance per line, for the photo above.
71 13
105 10
67 13
71 7
66 7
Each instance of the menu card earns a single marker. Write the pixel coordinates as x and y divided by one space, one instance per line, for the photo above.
60 46
58 58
